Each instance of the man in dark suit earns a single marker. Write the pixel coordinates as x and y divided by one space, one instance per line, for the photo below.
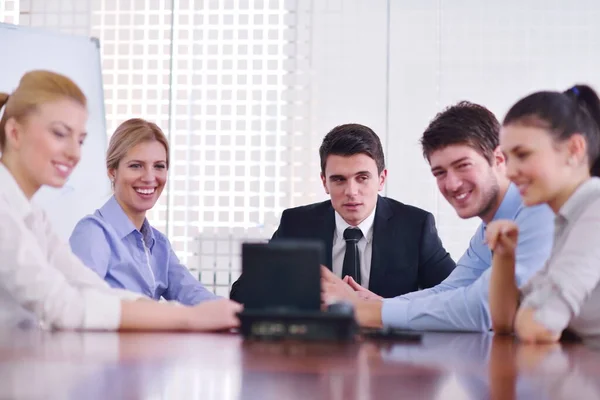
386 246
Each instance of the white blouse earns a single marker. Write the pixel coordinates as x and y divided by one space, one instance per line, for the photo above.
41 280
566 291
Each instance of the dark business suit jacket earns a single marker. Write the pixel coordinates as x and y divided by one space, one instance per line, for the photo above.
407 253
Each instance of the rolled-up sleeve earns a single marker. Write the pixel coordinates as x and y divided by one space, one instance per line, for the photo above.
547 298
558 292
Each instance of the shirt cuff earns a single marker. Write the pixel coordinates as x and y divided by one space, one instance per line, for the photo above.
102 311
394 313
551 309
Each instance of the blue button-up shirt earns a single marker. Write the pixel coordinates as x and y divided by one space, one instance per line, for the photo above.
141 261
460 302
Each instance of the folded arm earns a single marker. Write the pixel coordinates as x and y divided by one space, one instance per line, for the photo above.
556 295
461 302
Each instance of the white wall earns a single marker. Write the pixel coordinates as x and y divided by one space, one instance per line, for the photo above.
347 71
441 52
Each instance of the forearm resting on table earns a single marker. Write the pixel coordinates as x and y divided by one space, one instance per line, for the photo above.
147 314
503 294
368 313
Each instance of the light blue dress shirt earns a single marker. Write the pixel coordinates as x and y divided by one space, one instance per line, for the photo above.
460 302
141 261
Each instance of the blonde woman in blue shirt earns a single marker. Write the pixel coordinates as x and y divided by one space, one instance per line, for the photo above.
42 282
117 242
552 144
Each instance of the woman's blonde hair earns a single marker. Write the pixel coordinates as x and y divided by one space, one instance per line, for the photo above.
128 135
36 88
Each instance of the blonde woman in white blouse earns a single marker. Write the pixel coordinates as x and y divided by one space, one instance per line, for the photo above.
552 144
41 282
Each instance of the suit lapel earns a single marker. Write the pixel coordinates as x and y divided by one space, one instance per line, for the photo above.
327 235
381 237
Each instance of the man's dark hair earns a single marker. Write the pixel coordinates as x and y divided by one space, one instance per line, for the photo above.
350 139
465 123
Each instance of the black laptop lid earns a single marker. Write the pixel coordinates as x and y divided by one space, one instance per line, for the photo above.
282 274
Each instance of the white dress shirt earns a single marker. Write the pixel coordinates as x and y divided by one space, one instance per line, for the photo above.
365 246
41 281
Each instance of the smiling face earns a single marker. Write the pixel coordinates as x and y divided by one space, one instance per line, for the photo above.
544 170
467 180
140 177
47 144
353 183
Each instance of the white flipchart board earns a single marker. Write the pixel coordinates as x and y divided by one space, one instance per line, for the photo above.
24 49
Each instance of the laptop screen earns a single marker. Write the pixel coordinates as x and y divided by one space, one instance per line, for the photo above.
282 274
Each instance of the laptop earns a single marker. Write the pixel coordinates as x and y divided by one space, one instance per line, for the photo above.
282 275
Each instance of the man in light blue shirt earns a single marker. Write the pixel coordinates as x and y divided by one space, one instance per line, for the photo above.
140 261
461 145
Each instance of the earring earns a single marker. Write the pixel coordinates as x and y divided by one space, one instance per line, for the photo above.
571 161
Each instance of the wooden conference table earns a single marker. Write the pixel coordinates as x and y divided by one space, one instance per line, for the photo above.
66 365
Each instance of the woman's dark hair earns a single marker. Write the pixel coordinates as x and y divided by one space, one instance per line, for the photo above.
576 110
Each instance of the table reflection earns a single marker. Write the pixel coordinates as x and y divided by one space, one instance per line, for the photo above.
69 365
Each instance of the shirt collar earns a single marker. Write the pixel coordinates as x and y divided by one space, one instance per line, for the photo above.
366 226
12 193
113 213
147 233
576 204
510 205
